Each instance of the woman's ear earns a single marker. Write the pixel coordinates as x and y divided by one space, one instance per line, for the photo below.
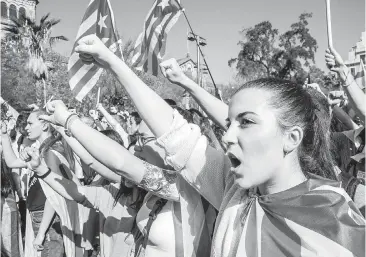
292 139
45 126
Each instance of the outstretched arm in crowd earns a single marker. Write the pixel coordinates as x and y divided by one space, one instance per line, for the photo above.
112 155
157 114
354 92
215 109
114 124
344 118
86 157
11 160
335 100
155 180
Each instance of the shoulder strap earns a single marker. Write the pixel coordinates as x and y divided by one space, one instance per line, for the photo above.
158 206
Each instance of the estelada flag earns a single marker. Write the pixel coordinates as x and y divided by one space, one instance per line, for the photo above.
98 20
150 46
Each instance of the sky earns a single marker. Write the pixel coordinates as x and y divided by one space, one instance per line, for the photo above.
220 23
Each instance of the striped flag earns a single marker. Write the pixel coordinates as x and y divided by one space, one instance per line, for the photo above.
360 75
98 20
315 218
151 44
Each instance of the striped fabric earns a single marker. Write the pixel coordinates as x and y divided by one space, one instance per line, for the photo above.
360 75
315 218
151 44
98 20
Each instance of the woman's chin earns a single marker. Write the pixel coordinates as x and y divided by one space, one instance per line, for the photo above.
242 182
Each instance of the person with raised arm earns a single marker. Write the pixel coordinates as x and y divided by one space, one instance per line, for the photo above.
269 186
355 94
43 220
215 108
171 210
115 125
117 203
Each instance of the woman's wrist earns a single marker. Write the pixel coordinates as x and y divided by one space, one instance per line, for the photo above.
113 61
41 170
64 118
344 73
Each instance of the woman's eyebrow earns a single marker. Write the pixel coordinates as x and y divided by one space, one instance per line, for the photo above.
241 115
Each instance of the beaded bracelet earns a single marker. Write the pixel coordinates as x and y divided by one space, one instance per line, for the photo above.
67 124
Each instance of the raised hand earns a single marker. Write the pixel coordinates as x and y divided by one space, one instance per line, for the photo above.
171 70
94 114
92 50
335 63
59 113
336 98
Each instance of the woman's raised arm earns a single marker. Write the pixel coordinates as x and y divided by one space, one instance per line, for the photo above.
157 114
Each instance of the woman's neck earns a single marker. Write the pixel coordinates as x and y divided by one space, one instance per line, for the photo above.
43 137
286 177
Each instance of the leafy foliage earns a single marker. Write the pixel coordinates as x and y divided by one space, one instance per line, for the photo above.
266 53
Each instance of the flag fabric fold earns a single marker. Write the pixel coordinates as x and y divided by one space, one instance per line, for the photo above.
315 218
98 20
150 45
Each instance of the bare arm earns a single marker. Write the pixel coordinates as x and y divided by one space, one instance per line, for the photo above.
87 158
214 108
48 214
344 118
157 114
355 94
10 158
353 91
65 187
114 124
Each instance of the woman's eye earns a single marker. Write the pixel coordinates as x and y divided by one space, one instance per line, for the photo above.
245 122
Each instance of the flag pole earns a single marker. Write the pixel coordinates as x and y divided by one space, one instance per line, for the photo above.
329 24
200 50
98 96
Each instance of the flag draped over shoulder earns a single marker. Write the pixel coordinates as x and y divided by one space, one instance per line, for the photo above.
151 44
315 218
98 20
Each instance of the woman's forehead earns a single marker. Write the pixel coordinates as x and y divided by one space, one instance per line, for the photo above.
250 100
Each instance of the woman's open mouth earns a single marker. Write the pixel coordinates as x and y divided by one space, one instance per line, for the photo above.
235 162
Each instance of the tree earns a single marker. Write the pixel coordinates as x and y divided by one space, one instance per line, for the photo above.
265 53
24 34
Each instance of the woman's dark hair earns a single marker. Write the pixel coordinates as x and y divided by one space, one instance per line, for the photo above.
7 186
21 122
187 115
123 190
137 117
295 105
113 135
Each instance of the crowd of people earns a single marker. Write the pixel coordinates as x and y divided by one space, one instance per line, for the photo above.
277 172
